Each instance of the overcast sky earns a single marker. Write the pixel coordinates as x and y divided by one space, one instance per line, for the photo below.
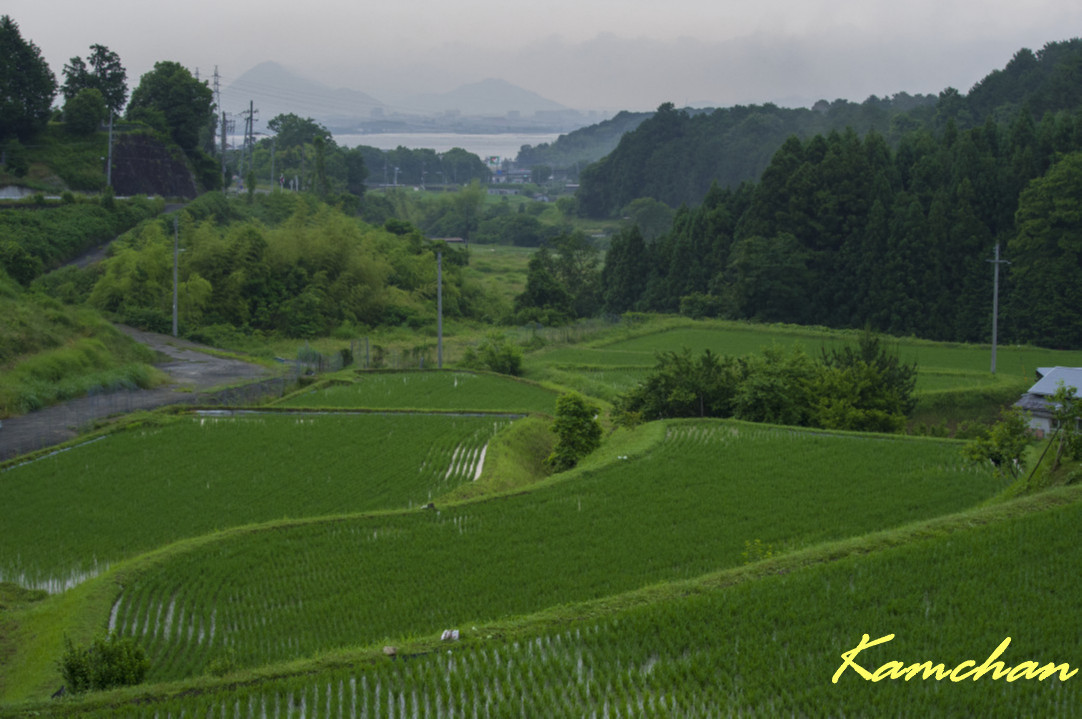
585 54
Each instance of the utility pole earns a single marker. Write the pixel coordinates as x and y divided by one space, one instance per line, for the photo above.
109 162
439 310
249 138
274 145
995 304
176 252
223 151
218 101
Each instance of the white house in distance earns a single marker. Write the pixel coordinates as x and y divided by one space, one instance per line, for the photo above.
1036 399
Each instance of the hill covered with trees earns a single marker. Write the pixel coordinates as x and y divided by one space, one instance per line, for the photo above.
676 155
849 229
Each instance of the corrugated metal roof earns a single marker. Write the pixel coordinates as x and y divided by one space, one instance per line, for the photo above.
1049 383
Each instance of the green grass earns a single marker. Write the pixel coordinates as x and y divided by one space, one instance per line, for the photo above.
135 490
500 269
686 507
51 352
464 391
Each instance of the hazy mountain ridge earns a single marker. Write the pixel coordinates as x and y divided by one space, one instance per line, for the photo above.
273 89
488 97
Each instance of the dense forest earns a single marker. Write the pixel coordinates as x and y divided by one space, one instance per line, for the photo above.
849 229
676 155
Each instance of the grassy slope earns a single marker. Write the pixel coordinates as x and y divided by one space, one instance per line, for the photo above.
50 352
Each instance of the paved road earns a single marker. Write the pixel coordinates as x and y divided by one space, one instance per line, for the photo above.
197 378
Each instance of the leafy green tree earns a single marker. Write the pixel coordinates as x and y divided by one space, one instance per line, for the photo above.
1067 413
84 112
1003 444
105 74
356 172
20 265
893 382
169 94
545 299
576 262
27 85
577 429
776 387
291 130
684 386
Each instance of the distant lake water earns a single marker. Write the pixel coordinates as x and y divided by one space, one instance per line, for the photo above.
504 145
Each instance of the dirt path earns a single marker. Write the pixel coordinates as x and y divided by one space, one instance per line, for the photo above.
197 378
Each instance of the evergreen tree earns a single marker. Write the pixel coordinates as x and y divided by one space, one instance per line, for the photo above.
623 278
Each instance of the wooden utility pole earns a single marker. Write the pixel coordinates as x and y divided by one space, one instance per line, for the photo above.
439 310
109 162
224 183
176 252
995 304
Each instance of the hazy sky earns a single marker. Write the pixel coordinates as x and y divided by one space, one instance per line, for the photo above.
586 54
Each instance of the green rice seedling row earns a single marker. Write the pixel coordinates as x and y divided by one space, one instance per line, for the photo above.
694 504
771 646
140 489
464 391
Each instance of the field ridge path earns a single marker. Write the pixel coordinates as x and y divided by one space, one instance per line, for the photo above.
195 374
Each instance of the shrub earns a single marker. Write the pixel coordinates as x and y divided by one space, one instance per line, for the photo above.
497 354
106 663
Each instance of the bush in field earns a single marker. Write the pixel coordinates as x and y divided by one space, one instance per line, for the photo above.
577 431
866 388
106 663
496 353
1003 444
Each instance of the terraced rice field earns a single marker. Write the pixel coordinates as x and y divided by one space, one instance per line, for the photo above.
691 505
136 490
444 390
721 646
940 366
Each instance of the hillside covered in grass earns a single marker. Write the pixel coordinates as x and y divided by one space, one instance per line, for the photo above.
50 352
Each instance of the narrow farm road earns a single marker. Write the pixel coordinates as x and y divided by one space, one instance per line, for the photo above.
197 378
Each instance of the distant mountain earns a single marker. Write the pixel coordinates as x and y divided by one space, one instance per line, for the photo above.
274 90
489 97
